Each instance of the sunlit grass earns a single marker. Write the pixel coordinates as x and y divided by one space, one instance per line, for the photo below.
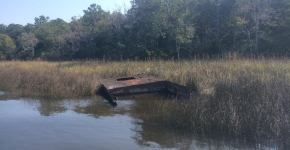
239 98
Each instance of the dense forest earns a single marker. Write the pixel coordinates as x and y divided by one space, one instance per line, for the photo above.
154 28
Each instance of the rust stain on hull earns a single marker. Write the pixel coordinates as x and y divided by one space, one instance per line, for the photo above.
141 83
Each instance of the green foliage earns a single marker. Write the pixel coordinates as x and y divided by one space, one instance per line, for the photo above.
27 41
2 28
161 29
40 21
14 30
7 46
51 37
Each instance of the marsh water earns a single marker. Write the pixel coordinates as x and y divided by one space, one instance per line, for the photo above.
91 123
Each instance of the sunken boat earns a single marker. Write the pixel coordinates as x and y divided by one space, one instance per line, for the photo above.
138 84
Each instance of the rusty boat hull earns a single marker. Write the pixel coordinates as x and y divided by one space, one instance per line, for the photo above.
137 84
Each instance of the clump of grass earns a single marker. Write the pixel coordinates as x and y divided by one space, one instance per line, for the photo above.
46 80
249 100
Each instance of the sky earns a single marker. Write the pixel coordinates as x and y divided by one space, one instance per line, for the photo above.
24 11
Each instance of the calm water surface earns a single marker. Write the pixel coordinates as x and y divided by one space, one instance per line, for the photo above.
33 124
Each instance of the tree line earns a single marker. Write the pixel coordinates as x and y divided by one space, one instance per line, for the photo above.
154 28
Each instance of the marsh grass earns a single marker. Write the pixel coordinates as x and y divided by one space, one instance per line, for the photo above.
237 98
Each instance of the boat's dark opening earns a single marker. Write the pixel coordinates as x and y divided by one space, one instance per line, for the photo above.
126 78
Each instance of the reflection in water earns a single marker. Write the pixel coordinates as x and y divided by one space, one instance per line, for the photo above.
47 107
8 95
50 107
150 135
153 134
99 108
94 124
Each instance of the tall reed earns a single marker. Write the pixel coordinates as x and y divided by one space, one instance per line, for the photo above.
248 99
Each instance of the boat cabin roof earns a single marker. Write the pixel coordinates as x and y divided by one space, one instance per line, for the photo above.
138 79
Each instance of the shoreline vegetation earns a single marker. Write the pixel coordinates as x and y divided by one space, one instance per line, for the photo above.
244 98
153 28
